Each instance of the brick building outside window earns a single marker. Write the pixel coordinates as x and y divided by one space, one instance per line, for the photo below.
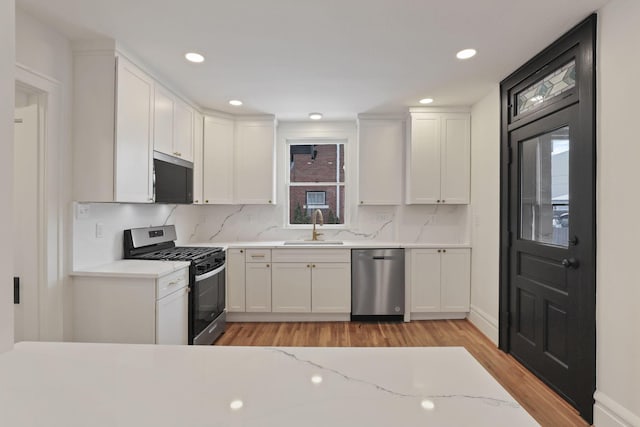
316 181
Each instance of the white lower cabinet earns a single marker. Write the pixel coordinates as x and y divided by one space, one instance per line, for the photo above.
311 287
131 310
440 280
235 280
172 314
425 280
289 281
258 287
331 288
291 287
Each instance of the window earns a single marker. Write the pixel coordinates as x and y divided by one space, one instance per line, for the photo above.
316 181
316 199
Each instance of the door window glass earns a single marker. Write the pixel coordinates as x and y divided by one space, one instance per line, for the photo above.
554 84
544 188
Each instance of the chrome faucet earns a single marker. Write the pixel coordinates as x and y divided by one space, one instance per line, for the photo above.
315 234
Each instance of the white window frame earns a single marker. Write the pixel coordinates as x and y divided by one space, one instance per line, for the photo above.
288 183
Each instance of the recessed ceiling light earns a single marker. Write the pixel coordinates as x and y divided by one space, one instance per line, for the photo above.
236 404
466 54
315 116
194 57
316 379
426 101
235 102
428 404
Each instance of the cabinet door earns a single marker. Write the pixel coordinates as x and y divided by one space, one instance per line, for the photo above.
172 313
258 287
456 155
235 280
455 279
254 162
198 141
423 184
134 130
217 186
183 131
163 121
331 288
291 287
425 280
380 160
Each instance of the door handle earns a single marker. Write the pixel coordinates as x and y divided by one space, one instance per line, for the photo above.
570 263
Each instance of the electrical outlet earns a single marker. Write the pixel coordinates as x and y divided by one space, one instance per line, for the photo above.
383 217
82 211
99 230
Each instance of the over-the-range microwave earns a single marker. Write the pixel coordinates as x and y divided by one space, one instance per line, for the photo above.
172 179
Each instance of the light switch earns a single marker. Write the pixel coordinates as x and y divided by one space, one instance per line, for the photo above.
99 230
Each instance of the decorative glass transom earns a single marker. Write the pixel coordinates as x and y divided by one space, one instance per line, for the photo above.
560 81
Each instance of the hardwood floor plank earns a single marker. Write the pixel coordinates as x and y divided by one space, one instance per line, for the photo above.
540 401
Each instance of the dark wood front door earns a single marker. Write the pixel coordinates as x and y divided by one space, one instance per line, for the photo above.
548 217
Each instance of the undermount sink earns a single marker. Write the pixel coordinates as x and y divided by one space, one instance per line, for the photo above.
312 242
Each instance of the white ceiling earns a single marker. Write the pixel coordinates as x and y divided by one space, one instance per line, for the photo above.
339 57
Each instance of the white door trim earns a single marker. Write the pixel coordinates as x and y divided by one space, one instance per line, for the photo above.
50 218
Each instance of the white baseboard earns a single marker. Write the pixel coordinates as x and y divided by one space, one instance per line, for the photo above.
609 413
437 316
487 324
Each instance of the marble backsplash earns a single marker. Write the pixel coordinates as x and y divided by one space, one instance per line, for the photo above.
98 227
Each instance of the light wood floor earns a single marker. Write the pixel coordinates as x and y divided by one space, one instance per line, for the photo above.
538 399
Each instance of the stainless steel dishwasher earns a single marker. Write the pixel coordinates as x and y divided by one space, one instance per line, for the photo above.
377 284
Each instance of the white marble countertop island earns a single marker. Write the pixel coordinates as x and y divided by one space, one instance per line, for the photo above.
100 385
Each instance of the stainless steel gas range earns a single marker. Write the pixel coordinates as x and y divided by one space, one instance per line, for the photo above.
207 314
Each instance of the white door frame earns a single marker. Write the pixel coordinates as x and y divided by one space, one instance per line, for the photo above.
50 218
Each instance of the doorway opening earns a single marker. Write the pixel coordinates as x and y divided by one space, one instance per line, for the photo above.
547 216
27 211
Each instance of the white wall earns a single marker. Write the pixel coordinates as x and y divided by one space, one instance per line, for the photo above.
485 213
90 250
7 85
48 54
618 281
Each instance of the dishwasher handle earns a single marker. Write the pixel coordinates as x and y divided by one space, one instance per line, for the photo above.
383 257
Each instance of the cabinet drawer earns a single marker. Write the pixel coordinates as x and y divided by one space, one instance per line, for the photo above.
311 255
172 282
258 255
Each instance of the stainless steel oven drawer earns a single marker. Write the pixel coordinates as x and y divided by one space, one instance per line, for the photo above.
213 331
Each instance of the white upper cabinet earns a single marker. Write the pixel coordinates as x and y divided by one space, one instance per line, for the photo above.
380 161
112 153
198 157
163 123
218 160
173 127
133 176
183 130
439 158
255 162
239 161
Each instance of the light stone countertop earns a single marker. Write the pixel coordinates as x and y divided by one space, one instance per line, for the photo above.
132 268
106 385
346 244
155 269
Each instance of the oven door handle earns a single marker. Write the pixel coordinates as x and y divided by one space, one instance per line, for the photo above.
210 273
